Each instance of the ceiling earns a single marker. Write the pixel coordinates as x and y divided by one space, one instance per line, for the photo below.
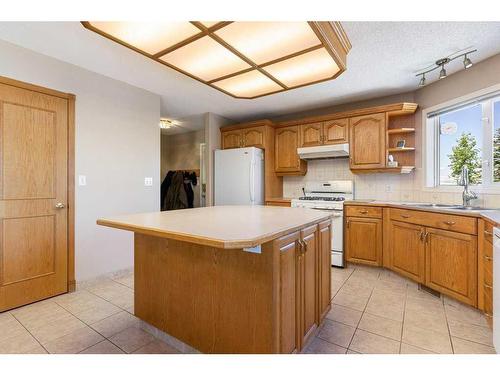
382 61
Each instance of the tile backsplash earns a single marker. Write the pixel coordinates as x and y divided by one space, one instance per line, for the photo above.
380 186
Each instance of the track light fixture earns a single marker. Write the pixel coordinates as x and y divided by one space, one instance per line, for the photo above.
441 63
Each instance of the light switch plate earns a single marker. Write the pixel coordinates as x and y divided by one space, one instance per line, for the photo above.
148 181
82 180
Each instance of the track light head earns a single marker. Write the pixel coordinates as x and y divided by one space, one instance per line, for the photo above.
467 62
442 72
422 81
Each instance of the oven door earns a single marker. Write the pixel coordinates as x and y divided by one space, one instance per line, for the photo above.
337 233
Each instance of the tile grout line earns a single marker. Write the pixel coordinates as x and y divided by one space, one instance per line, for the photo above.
403 322
27 330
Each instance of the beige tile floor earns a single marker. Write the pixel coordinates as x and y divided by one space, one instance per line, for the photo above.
373 311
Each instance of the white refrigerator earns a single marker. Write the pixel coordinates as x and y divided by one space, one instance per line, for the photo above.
239 176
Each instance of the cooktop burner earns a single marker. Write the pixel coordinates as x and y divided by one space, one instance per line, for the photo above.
328 199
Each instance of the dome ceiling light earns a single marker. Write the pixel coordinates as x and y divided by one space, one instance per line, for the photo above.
441 63
241 59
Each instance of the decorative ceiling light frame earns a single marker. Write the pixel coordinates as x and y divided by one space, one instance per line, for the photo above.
441 63
321 61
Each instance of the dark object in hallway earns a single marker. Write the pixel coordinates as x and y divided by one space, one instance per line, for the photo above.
177 190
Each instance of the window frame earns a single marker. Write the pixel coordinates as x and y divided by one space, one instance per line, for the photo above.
430 154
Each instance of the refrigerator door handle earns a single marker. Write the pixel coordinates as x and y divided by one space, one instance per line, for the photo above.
252 184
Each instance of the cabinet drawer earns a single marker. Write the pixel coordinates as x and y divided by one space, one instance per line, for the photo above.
488 232
488 300
364 211
488 270
454 223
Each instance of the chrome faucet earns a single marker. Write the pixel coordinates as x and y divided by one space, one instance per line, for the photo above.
467 194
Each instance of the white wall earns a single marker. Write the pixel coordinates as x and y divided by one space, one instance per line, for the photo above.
117 145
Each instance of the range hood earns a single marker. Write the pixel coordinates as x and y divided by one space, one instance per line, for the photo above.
324 152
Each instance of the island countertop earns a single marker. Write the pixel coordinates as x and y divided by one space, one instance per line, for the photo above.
229 227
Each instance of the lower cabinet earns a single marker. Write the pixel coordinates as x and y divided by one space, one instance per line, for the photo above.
304 285
363 240
407 250
451 264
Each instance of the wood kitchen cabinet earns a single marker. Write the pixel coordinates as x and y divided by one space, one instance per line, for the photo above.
324 133
249 137
407 250
451 264
485 269
367 141
287 161
363 240
232 139
304 291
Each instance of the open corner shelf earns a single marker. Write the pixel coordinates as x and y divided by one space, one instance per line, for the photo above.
401 131
404 149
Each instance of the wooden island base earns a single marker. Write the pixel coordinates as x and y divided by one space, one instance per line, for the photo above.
232 301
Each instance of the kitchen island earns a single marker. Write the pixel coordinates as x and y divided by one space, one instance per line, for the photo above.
232 279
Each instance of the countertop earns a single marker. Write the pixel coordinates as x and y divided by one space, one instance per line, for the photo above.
492 216
229 227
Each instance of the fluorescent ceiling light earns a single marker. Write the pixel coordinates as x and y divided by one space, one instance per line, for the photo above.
241 59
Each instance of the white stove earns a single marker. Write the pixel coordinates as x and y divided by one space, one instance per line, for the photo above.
329 196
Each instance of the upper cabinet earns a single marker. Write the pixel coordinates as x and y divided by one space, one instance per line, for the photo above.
287 161
367 146
335 131
232 139
254 137
324 133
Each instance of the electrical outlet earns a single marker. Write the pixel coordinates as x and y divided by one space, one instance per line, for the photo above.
148 181
388 188
82 180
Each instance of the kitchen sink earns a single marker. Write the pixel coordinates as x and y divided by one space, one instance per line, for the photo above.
446 206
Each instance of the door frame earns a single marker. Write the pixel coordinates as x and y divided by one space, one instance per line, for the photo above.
71 98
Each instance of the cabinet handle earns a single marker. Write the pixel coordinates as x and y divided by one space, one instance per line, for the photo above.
405 216
305 246
488 286
422 235
488 233
347 223
488 258
363 212
426 237
488 315
449 222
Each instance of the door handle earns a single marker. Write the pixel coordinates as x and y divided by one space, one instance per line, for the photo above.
422 235
364 212
449 222
60 205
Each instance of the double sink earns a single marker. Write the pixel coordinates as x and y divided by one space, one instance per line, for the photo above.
445 206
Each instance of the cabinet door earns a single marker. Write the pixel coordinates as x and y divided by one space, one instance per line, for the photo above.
289 293
367 141
286 158
451 264
254 137
231 139
407 250
309 282
311 134
335 131
364 240
325 254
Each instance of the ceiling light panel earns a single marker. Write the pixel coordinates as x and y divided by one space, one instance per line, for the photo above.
262 42
205 59
248 85
150 37
309 67
241 59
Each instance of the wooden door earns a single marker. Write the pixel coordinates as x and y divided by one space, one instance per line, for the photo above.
364 240
325 254
310 283
335 131
407 250
286 158
232 139
33 183
451 264
289 293
311 134
367 141
254 137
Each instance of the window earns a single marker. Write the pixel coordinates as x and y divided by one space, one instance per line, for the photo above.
466 134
